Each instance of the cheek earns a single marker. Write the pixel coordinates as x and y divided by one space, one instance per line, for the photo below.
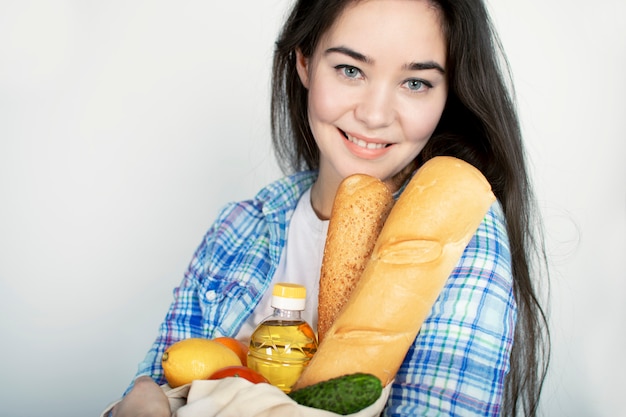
419 129
325 104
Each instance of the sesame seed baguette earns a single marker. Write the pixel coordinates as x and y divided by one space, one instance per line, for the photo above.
421 242
361 205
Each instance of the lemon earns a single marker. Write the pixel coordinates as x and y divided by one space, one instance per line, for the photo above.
195 358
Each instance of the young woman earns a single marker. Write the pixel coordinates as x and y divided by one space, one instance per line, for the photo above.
379 87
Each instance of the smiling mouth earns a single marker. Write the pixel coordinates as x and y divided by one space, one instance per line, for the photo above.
363 144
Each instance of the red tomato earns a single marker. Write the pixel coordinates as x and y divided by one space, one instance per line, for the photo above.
239 372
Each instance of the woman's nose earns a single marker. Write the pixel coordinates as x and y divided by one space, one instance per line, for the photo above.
375 107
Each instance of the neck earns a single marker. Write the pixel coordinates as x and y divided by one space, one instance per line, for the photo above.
322 198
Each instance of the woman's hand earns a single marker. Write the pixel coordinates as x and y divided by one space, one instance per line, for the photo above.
146 398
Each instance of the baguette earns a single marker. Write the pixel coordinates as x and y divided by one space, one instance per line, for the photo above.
420 244
361 206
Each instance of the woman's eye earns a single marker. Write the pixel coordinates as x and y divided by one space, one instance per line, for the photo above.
417 85
349 71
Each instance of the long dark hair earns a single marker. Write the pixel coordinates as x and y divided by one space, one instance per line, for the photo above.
479 125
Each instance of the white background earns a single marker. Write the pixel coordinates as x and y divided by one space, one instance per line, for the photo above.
125 125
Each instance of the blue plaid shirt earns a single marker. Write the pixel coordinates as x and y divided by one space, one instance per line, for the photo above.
459 360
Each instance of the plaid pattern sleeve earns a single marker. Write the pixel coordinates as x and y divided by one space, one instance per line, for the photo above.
184 318
459 360
230 270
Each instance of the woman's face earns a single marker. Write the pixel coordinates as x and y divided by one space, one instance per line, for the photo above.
376 87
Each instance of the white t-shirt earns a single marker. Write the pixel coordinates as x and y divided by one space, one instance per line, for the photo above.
300 263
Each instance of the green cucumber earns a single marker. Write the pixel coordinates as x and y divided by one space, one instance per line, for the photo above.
342 395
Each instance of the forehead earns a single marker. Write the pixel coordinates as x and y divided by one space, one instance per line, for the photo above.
411 28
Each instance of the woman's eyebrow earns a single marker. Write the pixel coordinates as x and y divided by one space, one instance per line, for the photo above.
349 52
421 66
413 66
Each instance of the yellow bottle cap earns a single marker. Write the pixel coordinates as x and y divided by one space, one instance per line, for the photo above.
287 296
288 290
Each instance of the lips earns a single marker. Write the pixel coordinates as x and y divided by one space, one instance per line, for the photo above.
363 143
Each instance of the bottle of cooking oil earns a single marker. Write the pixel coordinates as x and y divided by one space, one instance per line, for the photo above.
283 343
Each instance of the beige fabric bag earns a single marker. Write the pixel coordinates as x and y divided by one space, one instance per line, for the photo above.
237 397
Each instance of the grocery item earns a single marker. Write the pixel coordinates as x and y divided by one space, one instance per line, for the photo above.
239 372
361 206
343 395
237 346
283 344
421 242
195 358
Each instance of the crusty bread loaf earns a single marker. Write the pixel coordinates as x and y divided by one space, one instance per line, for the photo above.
361 206
418 247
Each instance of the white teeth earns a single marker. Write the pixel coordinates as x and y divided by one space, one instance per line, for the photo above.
361 143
